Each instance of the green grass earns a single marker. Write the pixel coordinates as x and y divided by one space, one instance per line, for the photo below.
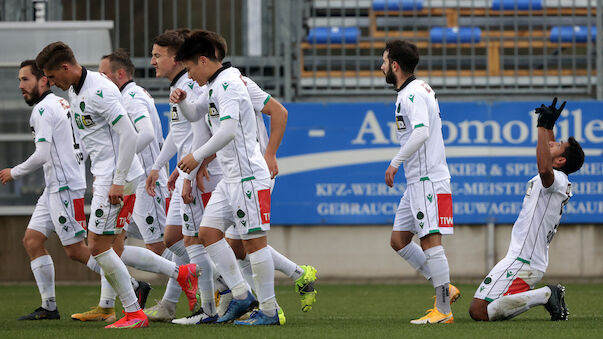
342 311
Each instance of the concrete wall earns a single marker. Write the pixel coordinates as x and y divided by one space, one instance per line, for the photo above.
354 253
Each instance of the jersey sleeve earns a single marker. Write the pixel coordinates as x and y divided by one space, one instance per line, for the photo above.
42 123
259 98
417 110
107 102
228 100
136 108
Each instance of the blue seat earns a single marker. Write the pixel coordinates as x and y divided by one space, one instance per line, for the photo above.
569 33
522 5
334 35
397 5
455 35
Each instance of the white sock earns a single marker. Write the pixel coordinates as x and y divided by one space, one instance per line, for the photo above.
179 250
108 295
219 282
93 265
226 263
146 260
173 289
413 254
509 306
43 271
440 276
286 266
119 278
262 265
199 256
246 271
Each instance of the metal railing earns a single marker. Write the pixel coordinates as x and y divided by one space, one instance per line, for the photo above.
466 46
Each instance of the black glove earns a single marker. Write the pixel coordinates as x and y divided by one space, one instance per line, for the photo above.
547 116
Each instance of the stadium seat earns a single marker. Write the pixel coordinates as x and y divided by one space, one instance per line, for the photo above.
334 35
455 35
397 5
521 5
569 33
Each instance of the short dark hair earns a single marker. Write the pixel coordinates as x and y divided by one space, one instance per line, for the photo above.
574 157
55 54
200 43
35 70
120 59
172 39
404 53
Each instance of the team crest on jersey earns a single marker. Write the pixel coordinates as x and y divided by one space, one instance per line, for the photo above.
175 116
83 121
213 111
211 91
398 108
400 124
41 110
82 106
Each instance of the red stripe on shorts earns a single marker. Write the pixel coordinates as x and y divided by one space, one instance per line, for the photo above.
78 209
125 214
205 198
264 199
518 286
445 210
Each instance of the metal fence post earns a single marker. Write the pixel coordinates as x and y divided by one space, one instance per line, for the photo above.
283 43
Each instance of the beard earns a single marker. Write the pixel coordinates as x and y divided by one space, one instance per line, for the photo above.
34 96
390 77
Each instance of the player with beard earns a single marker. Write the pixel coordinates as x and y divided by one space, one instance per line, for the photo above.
426 206
60 209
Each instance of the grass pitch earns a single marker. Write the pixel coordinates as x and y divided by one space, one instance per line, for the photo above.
341 311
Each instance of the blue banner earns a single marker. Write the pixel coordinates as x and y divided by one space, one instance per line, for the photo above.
164 116
334 156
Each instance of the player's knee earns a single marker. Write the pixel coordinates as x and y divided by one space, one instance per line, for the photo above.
32 243
478 310
237 248
170 239
397 244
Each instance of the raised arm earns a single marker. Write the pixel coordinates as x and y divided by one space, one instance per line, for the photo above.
547 116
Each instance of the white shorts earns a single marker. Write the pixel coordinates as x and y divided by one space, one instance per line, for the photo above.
246 205
61 212
425 208
509 276
231 232
111 219
189 215
148 217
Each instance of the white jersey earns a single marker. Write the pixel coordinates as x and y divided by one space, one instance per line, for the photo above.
183 129
538 220
241 159
417 107
140 105
259 99
97 105
180 128
50 121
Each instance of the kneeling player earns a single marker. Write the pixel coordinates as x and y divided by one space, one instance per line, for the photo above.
508 290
